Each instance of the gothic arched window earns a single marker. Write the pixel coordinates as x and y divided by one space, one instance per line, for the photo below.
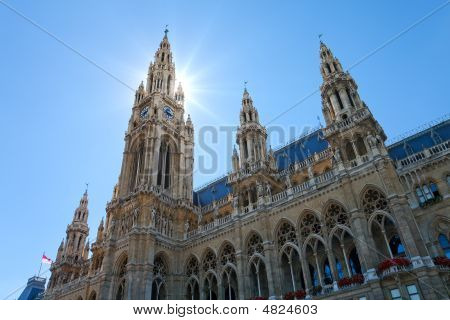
164 165
137 165
349 151
309 224
169 83
360 146
374 200
192 267
254 245
209 261
120 292
286 233
228 255
335 214
396 246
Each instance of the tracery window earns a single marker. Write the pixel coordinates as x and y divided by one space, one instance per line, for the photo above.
192 267
209 261
228 255
120 293
254 245
159 267
335 214
374 200
310 224
286 233
159 275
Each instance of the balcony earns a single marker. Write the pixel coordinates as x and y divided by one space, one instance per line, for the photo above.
394 266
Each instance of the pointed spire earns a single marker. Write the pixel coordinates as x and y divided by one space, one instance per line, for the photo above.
246 99
330 65
179 94
235 153
81 212
161 74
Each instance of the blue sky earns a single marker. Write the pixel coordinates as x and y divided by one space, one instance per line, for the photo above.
63 120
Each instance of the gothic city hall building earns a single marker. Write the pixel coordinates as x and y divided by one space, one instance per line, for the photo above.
335 214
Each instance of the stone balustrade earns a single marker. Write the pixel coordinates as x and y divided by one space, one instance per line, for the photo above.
310 161
347 123
296 191
421 156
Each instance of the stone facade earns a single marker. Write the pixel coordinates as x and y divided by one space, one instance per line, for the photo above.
345 219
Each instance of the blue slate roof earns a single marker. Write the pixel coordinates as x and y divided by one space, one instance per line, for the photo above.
213 191
311 143
420 141
34 288
300 149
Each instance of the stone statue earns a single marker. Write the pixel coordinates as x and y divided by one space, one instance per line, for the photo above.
288 182
268 189
337 155
371 140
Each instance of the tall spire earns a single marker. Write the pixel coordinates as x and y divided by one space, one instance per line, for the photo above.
248 111
251 135
82 211
339 91
330 65
161 73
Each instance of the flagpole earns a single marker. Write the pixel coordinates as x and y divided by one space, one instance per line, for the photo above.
40 266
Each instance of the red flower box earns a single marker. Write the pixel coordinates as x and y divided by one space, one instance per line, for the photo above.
388 263
298 295
289 295
356 279
442 261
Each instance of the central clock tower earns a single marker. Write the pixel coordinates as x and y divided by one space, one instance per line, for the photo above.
159 142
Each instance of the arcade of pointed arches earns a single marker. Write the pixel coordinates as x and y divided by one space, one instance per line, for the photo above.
317 251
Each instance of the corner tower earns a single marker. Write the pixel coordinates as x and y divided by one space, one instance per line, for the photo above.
251 135
352 131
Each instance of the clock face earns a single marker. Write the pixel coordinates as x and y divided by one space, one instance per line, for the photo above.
168 112
144 112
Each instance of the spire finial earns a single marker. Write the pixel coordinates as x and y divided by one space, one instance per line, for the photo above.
87 187
166 31
320 37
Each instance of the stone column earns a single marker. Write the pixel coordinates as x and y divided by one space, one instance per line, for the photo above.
364 243
345 98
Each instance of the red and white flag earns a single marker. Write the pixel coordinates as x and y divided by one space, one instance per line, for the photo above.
46 260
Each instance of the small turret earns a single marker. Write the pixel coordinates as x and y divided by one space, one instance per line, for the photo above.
140 93
60 251
235 160
86 250
100 232
179 94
